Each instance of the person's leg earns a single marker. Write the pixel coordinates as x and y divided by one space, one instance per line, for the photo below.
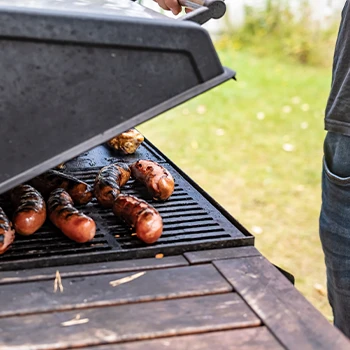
335 226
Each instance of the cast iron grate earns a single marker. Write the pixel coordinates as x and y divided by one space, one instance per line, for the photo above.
190 220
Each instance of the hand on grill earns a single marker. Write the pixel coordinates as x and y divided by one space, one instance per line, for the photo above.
172 5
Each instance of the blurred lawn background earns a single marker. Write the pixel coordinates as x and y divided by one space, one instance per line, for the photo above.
255 145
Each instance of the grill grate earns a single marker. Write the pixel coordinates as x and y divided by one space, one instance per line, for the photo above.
189 220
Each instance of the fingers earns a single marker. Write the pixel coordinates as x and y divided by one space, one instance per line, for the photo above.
161 3
172 5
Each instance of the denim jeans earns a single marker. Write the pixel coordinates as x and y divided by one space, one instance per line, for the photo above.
335 226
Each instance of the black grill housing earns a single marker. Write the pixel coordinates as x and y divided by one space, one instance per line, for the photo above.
192 220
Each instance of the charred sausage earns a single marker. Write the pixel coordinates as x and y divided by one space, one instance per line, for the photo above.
7 233
158 180
127 142
80 191
108 183
74 224
30 212
141 216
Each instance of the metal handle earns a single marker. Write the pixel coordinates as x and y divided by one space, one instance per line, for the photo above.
193 4
204 10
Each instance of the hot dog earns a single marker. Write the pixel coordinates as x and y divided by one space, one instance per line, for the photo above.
30 213
127 142
141 216
108 183
158 180
80 191
7 233
74 224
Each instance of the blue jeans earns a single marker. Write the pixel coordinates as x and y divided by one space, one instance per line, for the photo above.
335 226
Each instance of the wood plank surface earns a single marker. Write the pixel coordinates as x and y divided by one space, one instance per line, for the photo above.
91 269
257 338
82 292
203 256
287 314
126 323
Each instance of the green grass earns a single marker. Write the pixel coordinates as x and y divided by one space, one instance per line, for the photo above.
256 147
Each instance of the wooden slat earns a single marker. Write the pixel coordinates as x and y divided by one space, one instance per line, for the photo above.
126 323
82 292
239 339
288 315
200 257
91 269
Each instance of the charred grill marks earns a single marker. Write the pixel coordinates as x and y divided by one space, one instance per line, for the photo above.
80 191
4 222
58 198
74 224
7 233
60 202
26 198
108 176
30 209
4 226
109 181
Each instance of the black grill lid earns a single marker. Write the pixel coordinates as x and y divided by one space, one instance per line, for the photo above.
76 74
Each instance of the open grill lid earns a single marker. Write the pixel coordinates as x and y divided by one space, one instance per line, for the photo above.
76 74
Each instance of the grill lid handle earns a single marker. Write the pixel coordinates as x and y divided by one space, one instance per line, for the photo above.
204 10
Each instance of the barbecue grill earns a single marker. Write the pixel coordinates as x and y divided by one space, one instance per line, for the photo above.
79 69
72 74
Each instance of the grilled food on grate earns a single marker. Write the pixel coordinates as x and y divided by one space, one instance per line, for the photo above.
30 212
73 223
145 219
7 233
63 190
61 166
127 142
109 181
80 191
158 180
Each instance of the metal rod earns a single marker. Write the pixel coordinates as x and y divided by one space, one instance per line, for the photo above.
204 10
193 4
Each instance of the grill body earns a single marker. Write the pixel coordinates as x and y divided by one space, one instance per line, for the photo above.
192 220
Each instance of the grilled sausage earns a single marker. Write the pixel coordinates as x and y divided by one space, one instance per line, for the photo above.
108 183
30 213
158 180
80 191
74 224
61 166
127 142
7 233
141 216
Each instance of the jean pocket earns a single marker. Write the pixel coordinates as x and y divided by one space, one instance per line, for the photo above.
338 180
335 219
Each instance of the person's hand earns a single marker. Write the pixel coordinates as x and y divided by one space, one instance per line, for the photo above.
171 5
